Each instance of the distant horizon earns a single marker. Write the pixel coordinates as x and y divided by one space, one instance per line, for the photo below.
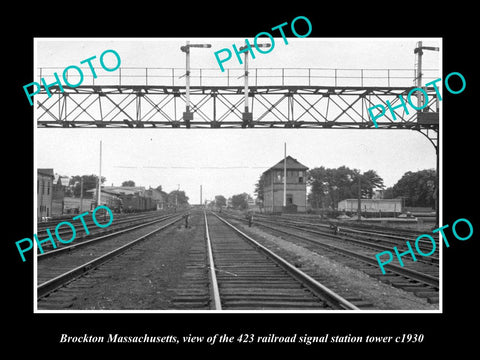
250 191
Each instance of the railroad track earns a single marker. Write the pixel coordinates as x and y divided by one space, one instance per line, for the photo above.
95 237
125 222
354 225
373 241
57 275
241 274
377 241
386 237
51 224
419 278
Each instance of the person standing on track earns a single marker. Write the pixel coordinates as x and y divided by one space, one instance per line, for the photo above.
335 228
250 218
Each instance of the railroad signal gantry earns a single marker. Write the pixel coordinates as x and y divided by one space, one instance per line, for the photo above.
280 98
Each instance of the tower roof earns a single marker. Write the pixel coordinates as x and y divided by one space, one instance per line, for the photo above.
292 164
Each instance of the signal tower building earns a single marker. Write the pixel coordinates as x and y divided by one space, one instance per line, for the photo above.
296 187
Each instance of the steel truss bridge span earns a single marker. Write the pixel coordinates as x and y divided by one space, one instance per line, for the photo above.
345 107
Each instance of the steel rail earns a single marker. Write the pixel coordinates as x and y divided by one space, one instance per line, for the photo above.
42 225
61 280
124 220
298 226
359 242
213 277
348 228
313 285
100 238
413 274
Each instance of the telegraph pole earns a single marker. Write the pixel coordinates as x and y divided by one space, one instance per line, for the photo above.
285 176
359 197
176 196
100 177
81 195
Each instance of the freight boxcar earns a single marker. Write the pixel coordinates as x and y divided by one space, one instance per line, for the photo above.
137 203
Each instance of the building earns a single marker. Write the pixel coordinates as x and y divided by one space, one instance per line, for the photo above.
45 179
296 189
60 183
157 197
371 205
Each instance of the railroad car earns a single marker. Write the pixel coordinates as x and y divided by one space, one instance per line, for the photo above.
137 203
114 204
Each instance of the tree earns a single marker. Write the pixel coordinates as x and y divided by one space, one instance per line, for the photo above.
329 186
177 197
369 181
417 188
220 200
319 195
388 193
89 182
240 201
128 183
259 186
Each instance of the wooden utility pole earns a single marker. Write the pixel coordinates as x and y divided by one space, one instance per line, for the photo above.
81 195
100 177
285 176
359 197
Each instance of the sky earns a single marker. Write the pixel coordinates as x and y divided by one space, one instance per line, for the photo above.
230 161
